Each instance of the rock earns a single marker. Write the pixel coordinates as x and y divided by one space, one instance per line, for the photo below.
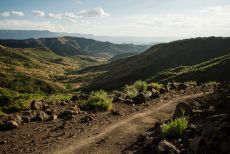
8 125
182 86
140 98
63 103
68 114
53 117
163 90
45 106
36 105
25 119
86 119
17 118
48 111
182 109
76 109
120 99
167 147
79 98
196 143
117 113
143 97
41 116
155 94
129 101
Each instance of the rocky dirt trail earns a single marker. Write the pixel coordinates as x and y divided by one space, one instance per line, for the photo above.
115 137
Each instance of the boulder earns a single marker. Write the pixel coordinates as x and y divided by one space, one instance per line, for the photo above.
167 147
36 105
25 119
48 111
162 90
140 98
68 114
129 101
8 125
182 109
155 94
41 116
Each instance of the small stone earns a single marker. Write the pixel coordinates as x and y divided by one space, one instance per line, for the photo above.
25 119
41 116
36 105
86 119
167 147
9 125
53 117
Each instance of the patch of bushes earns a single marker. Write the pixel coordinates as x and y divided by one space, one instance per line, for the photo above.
211 84
130 91
99 100
155 85
175 128
140 86
11 101
191 83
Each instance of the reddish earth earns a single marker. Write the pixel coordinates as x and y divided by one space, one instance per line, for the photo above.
106 133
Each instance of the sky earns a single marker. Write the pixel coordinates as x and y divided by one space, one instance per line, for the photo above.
140 18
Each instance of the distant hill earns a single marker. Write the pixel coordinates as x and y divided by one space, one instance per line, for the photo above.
187 52
27 34
71 46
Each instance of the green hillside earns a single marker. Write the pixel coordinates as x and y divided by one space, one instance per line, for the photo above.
159 57
212 70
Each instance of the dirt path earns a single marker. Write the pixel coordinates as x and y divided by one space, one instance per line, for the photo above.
122 133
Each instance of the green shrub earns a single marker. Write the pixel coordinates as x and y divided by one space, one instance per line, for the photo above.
191 83
99 99
211 84
175 128
140 86
130 91
57 97
155 85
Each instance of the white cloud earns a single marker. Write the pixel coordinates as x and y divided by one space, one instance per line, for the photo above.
5 14
38 13
76 17
54 16
223 10
96 12
30 25
17 13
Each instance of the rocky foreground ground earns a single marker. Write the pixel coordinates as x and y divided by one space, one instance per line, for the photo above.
54 127
208 129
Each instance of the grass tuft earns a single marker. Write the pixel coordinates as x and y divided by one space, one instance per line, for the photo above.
99 99
175 128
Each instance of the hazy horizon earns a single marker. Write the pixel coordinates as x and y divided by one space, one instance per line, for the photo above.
133 18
